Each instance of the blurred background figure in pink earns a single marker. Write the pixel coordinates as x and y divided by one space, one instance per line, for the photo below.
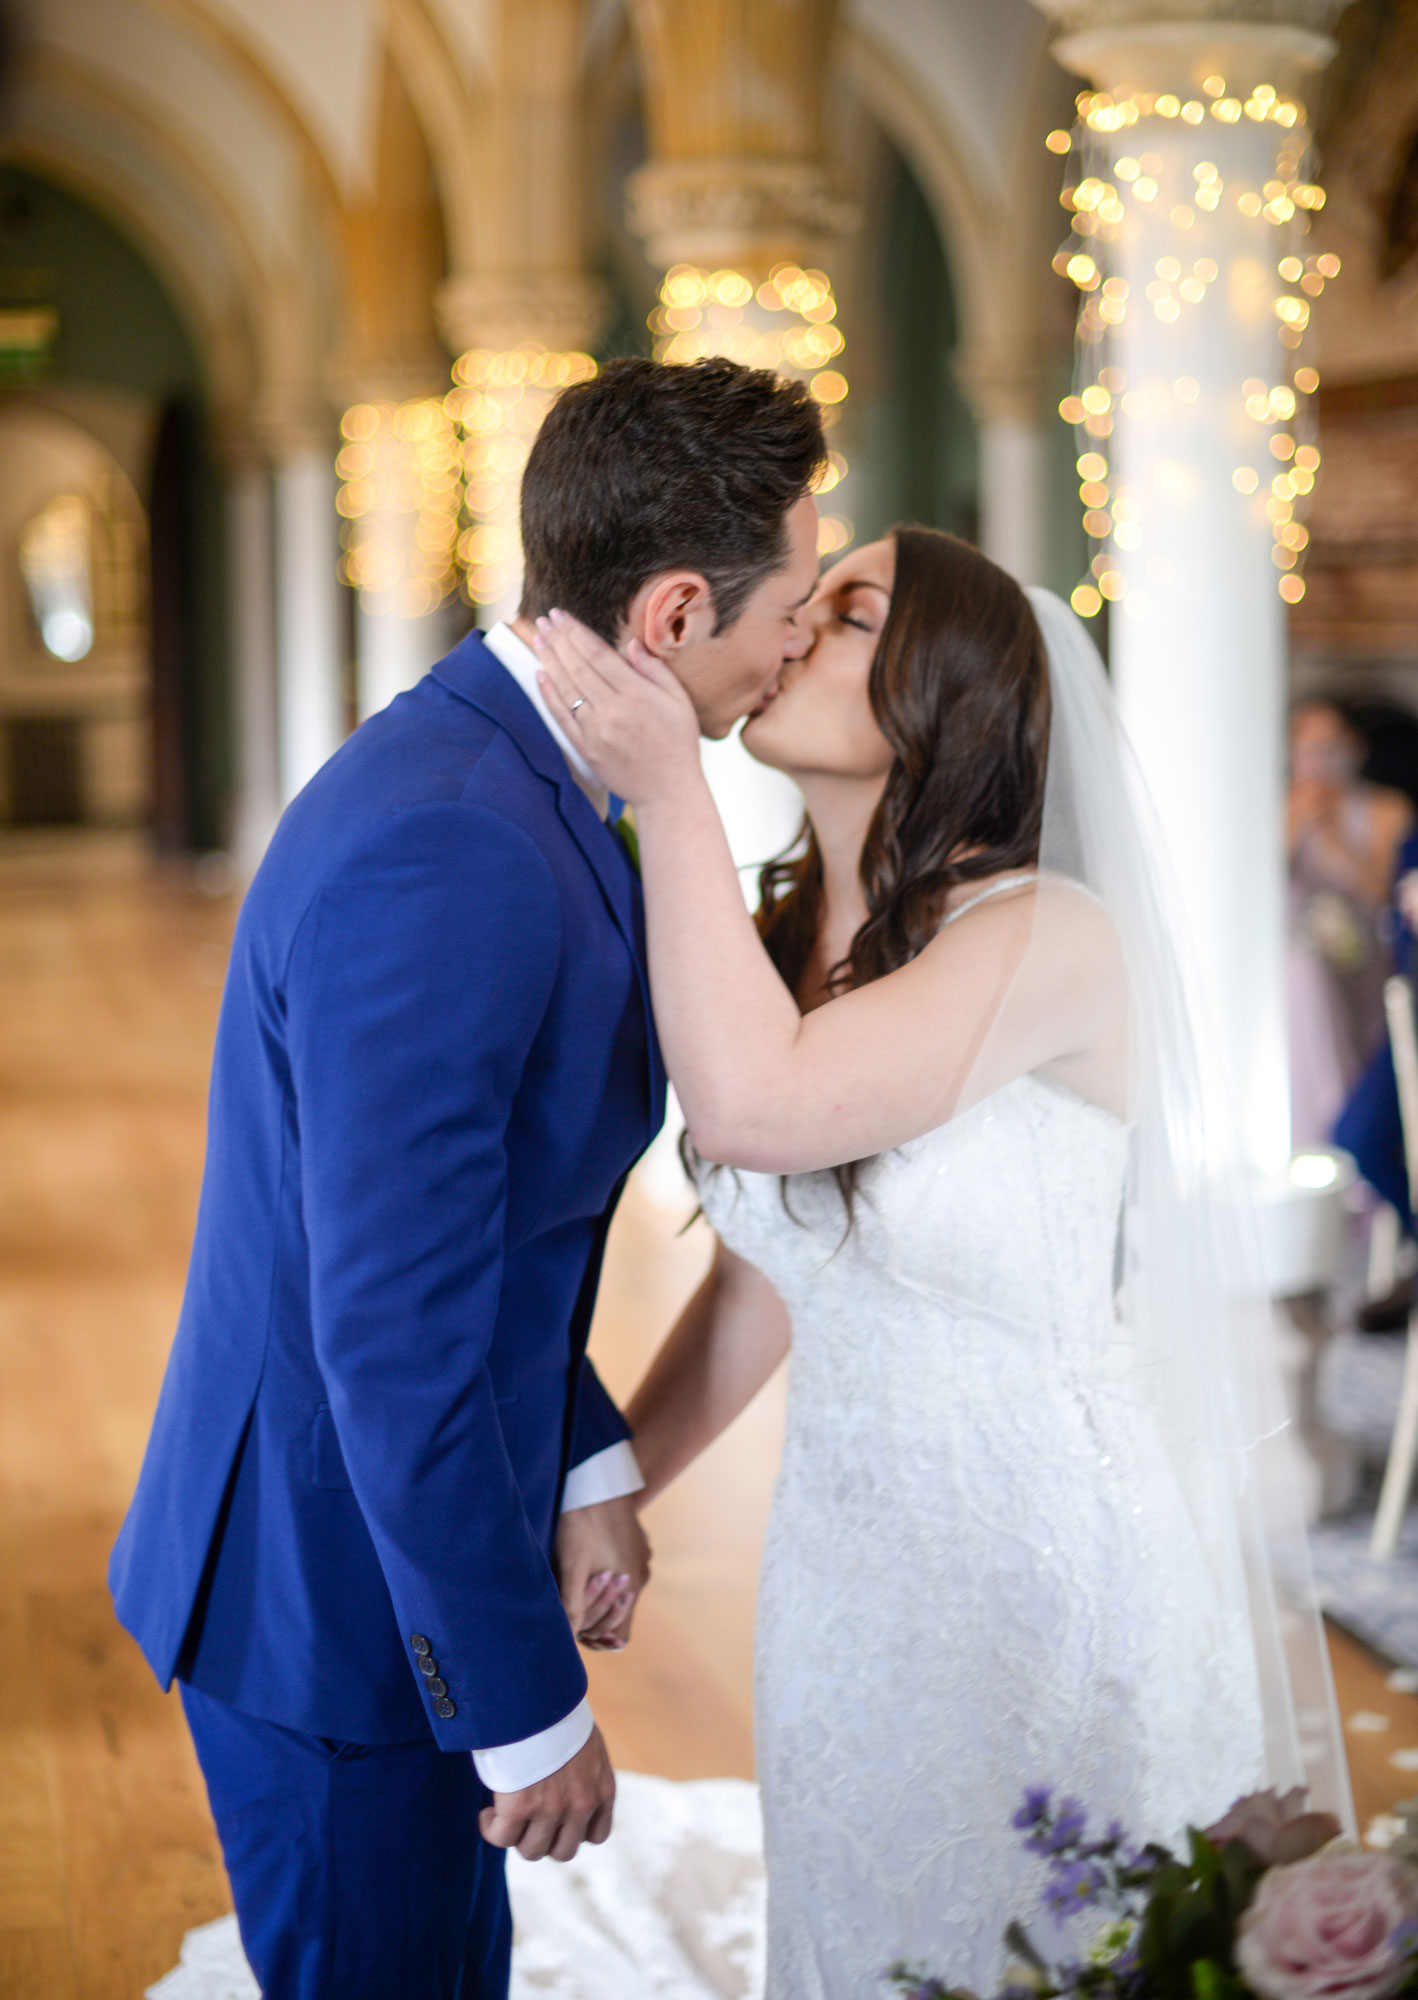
1344 836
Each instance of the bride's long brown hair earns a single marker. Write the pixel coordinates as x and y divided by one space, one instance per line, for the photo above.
960 690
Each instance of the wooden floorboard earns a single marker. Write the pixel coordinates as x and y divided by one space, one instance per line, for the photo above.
110 974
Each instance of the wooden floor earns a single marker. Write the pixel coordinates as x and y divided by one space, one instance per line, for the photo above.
110 974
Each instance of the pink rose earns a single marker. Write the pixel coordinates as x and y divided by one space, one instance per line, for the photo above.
1276 1828
1323 1929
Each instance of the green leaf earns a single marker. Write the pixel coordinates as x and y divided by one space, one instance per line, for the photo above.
629 839
1019 1942
1206 1859
1211 1981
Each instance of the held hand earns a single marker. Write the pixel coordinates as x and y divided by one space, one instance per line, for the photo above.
1313 803
574 1804
602 1561
630 718
1406 897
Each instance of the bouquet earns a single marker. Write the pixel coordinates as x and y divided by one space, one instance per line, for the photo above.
1268 1904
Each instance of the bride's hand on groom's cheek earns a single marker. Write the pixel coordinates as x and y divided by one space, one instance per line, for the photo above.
602 1561
629 717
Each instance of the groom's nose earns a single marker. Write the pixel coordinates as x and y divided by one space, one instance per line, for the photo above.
799 639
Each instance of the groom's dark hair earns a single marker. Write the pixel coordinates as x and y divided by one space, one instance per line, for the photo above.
651 467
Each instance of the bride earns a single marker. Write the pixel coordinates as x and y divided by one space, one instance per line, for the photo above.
947 1125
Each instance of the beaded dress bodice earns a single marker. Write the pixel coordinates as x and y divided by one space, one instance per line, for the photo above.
978 1573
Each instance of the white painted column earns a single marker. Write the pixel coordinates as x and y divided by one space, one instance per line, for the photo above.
1012 486
256 802
392 653
1187 397
1198 640
310 693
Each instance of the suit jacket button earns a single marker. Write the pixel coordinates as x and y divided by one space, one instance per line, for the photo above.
419 1643
444 1709
437 1687
428 1666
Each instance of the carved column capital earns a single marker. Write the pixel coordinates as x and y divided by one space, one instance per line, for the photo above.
392 380
1080 16
1001 390
748 213
1165 44
286 428
563 311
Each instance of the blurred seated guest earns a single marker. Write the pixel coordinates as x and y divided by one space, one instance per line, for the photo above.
1344 837
1369 1127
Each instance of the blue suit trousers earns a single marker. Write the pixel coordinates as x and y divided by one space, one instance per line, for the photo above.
357 1870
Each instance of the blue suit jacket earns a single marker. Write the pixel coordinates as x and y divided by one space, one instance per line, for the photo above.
1370 1126
434 1066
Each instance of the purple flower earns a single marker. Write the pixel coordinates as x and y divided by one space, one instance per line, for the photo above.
1405 1938
1037 1799
1068 1829
1073 1885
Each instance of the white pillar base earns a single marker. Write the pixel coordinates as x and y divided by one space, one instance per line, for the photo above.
1012 486
391 654
308 646
256 803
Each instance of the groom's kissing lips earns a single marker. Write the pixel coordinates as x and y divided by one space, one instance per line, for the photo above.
769 695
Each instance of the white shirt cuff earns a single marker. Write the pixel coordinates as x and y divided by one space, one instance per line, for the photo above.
514 1766
608 1475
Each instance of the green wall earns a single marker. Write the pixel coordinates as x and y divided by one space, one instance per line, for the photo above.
910 436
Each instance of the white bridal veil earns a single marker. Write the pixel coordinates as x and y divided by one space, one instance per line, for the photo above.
1196 1337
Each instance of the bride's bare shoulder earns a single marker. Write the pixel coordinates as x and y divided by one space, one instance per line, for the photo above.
1052 913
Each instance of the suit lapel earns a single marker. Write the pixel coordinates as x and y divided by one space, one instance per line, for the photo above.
471 671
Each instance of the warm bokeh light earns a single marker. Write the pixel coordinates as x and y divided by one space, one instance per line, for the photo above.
786 323
399 500
429 487
497 404
1118 183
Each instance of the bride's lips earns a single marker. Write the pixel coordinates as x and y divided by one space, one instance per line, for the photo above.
766 700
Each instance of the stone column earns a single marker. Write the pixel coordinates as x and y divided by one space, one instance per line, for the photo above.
523 313
309 642
399 503
399 496
736 208
1190 183
1013 475
256 802
1191 195
393 651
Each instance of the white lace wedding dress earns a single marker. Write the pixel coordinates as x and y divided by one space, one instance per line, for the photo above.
979 1573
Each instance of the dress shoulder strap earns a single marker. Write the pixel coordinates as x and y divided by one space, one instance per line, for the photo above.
1004 883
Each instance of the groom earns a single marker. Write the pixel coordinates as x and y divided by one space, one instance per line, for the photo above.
382 1471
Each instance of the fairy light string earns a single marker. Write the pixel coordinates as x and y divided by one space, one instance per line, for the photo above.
399 500
497 404
1216 226
429 488
786 323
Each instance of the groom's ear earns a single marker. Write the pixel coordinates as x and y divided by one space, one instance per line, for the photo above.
671 610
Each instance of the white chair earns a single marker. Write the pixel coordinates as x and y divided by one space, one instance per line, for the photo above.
1403 1451
1385 1244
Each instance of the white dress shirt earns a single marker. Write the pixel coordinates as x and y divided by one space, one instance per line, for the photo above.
611 1473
